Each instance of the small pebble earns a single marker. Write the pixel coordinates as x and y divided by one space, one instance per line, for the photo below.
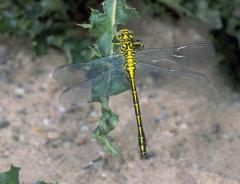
215 128
183 126
53 135
4 123
103 175
162 117
81 140
42 89
61 109
19 91
84 128
22 111
46 121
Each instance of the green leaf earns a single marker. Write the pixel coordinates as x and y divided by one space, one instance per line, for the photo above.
85 26
210 16
53 5
122 12
103 25
95 52
77 49
176 6
112 86
56 40
11 176
233 26
107 122
39 45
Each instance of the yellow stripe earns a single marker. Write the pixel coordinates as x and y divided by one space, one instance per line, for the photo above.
137 109
139 120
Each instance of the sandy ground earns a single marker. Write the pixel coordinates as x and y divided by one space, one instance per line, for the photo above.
194 138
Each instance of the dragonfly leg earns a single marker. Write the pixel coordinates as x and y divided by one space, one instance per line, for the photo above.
138 44
116 46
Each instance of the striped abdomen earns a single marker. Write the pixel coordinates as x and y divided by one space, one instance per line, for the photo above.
130 66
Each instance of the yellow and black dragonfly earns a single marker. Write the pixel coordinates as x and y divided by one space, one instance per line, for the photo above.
129 67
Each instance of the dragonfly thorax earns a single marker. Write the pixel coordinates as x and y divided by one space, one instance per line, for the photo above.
125 35
127 47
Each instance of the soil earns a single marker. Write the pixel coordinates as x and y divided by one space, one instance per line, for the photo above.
193 136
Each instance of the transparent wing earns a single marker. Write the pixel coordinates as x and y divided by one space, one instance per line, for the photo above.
176 57
165 78
110 83
115 81
89 81
71 74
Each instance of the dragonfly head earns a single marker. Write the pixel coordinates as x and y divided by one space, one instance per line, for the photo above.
125 35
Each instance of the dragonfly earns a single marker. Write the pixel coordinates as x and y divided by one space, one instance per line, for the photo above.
129 67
